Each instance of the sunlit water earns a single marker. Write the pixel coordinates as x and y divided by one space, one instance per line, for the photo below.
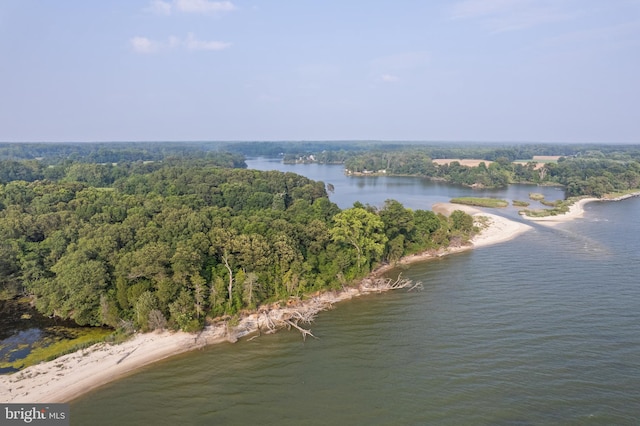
544 329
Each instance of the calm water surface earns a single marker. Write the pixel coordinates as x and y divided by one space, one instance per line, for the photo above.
544 329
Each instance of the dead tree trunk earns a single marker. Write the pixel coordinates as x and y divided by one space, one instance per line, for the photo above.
225 259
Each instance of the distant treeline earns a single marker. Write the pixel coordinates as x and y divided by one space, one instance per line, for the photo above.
482 151
116 152
590 172
593 169
144 245
105 152
105 174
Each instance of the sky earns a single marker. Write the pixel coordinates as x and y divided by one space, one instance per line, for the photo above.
203 70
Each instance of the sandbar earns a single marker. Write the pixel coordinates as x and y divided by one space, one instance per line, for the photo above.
498 229
576 210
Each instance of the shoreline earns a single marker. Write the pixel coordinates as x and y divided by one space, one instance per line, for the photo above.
73 375
500 229
576 210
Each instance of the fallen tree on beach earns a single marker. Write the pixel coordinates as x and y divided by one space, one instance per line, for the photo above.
299 314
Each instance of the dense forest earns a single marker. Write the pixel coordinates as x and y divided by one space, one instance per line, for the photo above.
173 241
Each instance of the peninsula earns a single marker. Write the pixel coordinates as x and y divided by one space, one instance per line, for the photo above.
73 375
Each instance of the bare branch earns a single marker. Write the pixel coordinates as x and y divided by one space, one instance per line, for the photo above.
304 332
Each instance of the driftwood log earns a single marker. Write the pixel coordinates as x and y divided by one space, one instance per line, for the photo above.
298 314
385 284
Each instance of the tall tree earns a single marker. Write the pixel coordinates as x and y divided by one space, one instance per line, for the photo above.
362 230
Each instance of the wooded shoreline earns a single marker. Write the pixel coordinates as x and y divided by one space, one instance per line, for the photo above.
73 375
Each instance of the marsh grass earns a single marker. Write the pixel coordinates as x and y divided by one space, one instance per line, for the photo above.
558 207
480 202
57 345
536 196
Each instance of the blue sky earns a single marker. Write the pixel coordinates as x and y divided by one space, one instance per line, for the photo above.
466 70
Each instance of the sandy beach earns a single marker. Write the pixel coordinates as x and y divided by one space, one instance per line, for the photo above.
499 229
576 210
73 375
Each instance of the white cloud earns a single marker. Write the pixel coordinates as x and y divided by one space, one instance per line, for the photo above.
203 6
592 42
144 45
192 43
511 15
388 78
147 46
161 7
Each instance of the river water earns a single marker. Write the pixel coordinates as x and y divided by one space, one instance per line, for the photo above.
543 329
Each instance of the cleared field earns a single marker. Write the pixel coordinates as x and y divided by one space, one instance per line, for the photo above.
539 160
468 162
